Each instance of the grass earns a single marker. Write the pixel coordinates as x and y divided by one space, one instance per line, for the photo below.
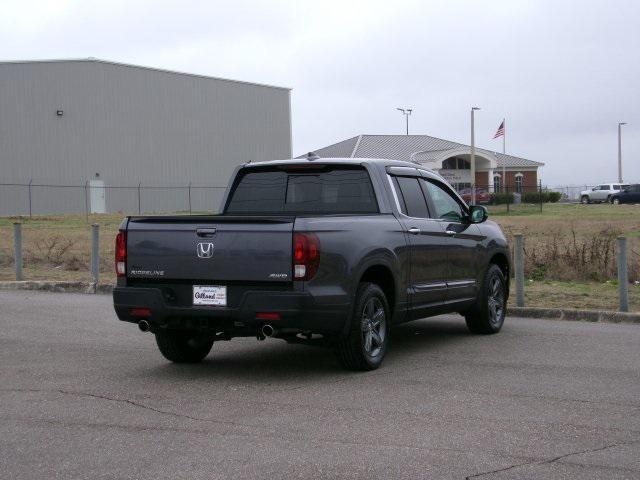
56 247
575 295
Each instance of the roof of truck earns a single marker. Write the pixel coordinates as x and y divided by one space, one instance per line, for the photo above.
340 160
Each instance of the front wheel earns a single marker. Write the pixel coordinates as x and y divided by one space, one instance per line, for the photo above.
584 200
365 345
487 315
615 201
182 347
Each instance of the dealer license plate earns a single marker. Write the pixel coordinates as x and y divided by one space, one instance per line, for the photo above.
210 295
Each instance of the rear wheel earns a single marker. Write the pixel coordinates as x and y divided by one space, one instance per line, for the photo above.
182 347
365 345
584 200
487 315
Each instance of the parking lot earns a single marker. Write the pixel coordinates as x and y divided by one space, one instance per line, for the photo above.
83 395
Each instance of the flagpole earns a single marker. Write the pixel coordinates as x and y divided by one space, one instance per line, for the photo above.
504 152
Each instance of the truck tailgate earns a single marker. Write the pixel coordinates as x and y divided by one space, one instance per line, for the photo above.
219 248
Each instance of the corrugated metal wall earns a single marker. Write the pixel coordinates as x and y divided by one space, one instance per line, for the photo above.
130 125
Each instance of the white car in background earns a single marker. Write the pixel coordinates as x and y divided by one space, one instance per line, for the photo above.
602 192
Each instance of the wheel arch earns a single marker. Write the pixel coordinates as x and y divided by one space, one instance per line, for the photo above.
381 275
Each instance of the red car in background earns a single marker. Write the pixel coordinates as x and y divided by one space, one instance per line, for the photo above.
482 195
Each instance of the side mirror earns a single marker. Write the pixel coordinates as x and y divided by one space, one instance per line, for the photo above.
594 189
478 213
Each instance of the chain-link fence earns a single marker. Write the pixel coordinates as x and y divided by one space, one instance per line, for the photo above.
95 197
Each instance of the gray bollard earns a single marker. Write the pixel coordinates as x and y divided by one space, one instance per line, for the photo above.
518 261
95 253
17 248
623 277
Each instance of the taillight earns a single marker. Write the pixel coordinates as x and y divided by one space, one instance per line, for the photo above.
306 255
121 254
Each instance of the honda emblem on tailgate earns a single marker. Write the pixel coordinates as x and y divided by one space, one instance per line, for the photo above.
204 250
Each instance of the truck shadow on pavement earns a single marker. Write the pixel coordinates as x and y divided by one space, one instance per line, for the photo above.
274 360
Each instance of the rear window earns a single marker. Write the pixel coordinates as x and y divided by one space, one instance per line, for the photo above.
306 190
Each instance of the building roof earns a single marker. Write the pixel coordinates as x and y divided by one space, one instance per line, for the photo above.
153 69
408 147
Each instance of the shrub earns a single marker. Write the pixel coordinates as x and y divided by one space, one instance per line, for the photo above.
545 197
500 198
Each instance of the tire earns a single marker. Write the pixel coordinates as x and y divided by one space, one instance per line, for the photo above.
487 315
181 347
615 201
584 200
608 199
365 345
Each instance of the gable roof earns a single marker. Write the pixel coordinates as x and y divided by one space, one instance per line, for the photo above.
403 147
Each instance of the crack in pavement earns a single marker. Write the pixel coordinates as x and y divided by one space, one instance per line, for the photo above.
552 460
135 404
157 410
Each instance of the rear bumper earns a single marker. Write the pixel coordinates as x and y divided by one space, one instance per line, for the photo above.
298 311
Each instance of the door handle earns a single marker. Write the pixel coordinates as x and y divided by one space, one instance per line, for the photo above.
414 230
450 232
205 232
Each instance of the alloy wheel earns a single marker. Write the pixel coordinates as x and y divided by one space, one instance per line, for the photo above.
374 327
496 300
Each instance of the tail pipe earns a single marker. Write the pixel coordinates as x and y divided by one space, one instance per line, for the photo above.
144 326
268 330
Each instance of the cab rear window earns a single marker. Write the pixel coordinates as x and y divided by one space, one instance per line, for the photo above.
322 189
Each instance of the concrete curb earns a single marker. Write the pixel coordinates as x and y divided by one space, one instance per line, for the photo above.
575 315
61 287
528 312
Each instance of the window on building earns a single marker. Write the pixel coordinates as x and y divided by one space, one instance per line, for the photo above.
519 182
496 183
456 163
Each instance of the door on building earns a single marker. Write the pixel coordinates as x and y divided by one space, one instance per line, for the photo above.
97 196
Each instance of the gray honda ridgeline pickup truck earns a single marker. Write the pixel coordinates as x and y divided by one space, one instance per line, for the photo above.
316 250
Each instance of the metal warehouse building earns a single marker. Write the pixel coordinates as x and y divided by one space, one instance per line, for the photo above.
92 135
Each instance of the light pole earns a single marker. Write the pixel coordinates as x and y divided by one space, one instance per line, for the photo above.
406 112
620 150
473 155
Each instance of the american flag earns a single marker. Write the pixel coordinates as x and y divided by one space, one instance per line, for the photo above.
500 131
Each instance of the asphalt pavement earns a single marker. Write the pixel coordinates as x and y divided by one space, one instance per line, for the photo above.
83 395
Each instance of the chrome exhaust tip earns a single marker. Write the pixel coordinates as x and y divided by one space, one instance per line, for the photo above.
268 330
144 326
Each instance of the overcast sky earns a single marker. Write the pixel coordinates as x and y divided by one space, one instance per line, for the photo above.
563 73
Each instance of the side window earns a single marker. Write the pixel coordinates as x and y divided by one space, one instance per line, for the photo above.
447 207
603 187
413 197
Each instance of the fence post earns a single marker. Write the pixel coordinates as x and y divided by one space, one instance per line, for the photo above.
139 184
508 199
17 247
30 211
623 279
189 198
95 253
518 254
86 200
540 194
